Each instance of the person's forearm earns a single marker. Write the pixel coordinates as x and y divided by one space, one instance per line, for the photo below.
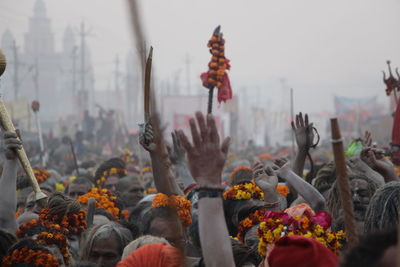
306 190
389 176
184 174
163 179
8 195
299 162
214 236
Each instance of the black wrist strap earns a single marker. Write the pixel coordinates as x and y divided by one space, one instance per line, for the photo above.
209 194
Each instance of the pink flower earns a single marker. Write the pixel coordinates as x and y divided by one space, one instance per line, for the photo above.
322 218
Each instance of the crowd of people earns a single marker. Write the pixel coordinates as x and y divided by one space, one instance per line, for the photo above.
194 202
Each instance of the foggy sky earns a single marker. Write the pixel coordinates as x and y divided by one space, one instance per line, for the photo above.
320 47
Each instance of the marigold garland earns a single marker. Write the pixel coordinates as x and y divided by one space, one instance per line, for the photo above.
54 237
251 190
150 191
37 258
252 220
182 206
108 173
72 223
105 200
24 228
278 224
283 190
244 191
41 175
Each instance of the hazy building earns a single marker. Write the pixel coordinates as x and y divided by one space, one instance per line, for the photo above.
44 73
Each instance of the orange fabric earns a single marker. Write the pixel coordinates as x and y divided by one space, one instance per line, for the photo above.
153 255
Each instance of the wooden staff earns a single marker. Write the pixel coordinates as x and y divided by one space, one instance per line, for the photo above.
74 157
147 84
211 88
343 183
26 165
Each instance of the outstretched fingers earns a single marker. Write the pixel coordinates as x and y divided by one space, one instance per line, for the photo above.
195 133
213 132
202 125
185 141
225 145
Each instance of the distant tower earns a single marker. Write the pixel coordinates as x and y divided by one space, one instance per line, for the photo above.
68 41
7 41
39 40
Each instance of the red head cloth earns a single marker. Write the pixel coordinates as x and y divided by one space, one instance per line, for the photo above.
396 137
301 251
154 255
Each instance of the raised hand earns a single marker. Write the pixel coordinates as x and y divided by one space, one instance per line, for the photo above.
303 131
265 178
375 158
177 152
11 144
146 138
206 156
367 140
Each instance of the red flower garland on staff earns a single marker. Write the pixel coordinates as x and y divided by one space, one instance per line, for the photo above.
216 76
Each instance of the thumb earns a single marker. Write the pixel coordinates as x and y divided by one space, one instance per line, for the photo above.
225 145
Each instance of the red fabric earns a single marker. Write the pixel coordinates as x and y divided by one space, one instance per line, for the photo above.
396 136
153 255
301 252
225 93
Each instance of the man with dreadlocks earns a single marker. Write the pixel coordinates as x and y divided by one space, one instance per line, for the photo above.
109 173
362 190
383 209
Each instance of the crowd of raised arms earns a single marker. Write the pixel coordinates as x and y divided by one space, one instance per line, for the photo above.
196 201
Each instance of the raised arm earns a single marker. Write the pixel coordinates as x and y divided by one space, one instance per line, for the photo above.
304 189
303 131
375 158
151 139
267 180
8 180
206 159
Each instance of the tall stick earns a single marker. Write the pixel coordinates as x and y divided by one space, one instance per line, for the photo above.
210 100
147 86
74 157
23 158
41 145
343 183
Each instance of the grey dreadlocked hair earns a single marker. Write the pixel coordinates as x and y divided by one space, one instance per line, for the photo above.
383 209
104 231
333 202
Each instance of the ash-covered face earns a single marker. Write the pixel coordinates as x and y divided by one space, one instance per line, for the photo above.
361 197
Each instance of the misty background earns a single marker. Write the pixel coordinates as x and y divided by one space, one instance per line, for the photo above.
321 49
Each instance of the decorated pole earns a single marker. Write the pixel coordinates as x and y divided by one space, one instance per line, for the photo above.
216 76
35 109
391 83
343 183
